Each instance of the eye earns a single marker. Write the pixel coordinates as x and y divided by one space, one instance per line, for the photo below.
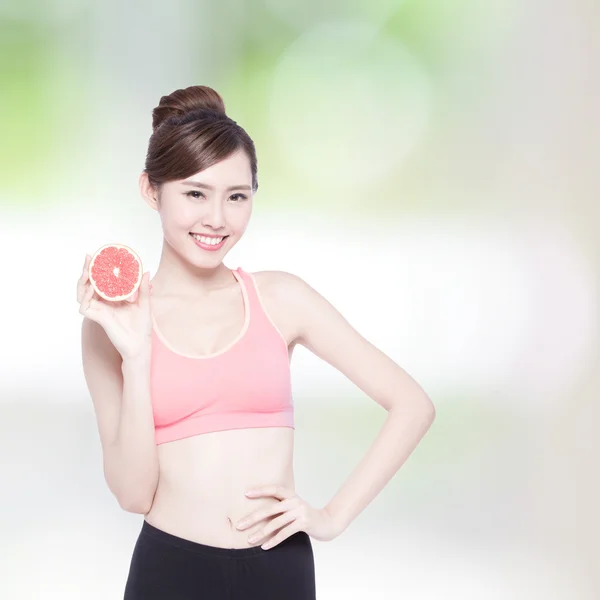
194 192
240 196
236 197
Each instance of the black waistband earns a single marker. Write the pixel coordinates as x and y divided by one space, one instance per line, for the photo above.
193 546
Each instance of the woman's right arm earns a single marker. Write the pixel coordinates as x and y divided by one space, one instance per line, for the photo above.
120 391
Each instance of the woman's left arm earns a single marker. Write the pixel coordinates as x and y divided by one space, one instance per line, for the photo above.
327 334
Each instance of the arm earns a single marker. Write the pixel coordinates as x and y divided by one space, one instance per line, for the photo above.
326 333
120 392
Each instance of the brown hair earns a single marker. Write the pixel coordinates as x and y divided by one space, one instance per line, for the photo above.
191 132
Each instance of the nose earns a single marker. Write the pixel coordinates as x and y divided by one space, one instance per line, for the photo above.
214 216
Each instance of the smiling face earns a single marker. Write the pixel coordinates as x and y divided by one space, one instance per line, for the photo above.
215 204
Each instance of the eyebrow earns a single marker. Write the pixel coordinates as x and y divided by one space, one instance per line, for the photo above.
210 187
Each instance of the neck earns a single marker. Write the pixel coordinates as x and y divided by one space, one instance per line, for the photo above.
178 276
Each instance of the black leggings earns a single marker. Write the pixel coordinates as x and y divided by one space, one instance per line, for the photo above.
167 567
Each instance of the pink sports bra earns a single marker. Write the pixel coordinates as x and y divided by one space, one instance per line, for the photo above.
247 384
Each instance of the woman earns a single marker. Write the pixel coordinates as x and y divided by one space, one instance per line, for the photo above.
190 383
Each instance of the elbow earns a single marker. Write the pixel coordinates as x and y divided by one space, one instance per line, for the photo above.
134 496
428 412
421 409
138 499
135 505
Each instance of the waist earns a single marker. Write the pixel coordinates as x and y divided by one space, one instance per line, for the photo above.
203 480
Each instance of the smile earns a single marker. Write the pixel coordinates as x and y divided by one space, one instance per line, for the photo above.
209 242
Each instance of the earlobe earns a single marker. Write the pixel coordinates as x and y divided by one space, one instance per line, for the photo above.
150 201
147 191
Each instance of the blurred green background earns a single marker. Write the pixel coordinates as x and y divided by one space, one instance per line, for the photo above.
431 167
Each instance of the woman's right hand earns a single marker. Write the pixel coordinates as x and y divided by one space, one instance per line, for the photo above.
128 323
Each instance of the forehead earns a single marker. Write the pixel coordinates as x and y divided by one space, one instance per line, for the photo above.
235 169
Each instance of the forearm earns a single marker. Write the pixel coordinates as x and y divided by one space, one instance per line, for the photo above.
400 434
131 463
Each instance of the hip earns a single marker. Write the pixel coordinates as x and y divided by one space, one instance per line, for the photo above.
164 565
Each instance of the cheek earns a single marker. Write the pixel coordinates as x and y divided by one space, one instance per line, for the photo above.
238 220
243 218
175 220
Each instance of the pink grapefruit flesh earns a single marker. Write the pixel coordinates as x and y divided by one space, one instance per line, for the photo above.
115 272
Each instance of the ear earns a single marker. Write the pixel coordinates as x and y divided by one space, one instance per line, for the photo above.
148 192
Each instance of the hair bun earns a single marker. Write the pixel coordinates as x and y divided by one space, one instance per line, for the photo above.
186 100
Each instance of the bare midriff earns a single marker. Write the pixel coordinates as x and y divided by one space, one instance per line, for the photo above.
203 479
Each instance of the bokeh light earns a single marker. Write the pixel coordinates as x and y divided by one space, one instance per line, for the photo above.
430 167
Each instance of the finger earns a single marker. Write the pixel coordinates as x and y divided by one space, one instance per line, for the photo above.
82 280
86 299
143 289
273 526
84 304
277 491
285 533
260 515
93 308
143 296
81 291
92 300
86 266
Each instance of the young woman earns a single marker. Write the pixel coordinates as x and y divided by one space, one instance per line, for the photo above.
190 383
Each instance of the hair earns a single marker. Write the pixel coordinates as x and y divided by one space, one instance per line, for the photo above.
191 132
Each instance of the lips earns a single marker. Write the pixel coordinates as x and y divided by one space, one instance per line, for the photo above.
209 247
193 233
207 235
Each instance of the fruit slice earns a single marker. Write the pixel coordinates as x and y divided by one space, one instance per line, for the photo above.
115 272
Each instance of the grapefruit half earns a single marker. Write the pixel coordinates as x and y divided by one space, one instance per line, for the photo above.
115 272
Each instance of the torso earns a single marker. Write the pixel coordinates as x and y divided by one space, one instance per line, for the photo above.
203 478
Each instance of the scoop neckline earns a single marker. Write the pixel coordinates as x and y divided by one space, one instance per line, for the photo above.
231 344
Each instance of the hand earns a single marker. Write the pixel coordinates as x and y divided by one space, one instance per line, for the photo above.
294 515
128 323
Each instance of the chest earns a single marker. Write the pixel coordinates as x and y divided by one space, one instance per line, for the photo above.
209 326
202 328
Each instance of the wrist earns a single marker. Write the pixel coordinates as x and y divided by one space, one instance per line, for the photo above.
339 524
141 360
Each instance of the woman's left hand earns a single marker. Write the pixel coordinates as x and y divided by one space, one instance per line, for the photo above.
294 515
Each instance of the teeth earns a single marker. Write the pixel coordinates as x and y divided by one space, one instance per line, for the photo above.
207 240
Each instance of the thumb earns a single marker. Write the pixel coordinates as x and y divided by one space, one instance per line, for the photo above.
144 289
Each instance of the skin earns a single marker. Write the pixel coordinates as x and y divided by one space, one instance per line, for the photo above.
204 479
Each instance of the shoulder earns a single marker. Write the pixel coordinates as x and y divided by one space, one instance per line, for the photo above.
304 309
282 285
280 296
